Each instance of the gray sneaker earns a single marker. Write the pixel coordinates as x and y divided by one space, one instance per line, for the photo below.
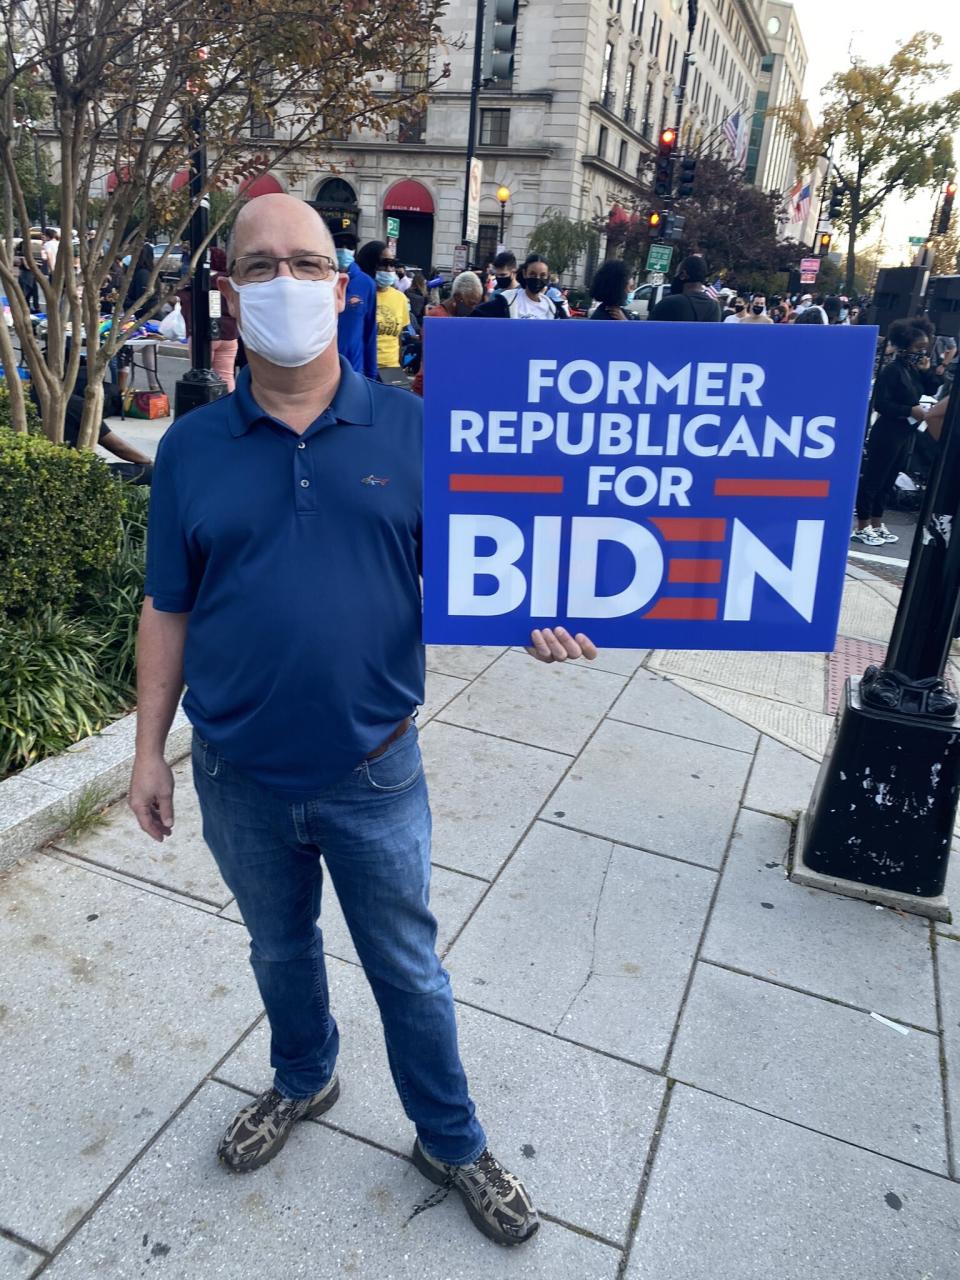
259 1130
495 1199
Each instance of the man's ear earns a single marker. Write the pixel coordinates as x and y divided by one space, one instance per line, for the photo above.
340 291
229 296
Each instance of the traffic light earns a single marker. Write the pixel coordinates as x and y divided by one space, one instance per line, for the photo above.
655 224
673 226
688 172
836 201
946 209
502 39
663 184
823 244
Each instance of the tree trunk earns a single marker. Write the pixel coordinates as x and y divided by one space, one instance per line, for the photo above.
18 407
852 244
92 412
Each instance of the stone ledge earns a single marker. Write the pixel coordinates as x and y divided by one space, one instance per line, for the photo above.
34 803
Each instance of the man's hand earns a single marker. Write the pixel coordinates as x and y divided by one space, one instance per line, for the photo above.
557 645
151 796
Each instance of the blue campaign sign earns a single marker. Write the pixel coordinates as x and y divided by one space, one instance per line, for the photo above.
663 485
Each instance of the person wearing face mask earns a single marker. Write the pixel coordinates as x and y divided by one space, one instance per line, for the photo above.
504 271
690 301
896 399
757 311
357 323
737 312
528 301
393 309
466 294
286 529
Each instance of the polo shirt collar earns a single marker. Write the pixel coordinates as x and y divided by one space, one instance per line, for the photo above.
352 403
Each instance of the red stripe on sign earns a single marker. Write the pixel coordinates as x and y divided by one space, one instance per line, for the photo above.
506 484
695 571
679 609
771 488
684 529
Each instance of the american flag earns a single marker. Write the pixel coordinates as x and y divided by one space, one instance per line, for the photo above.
731 129
801 205
711 291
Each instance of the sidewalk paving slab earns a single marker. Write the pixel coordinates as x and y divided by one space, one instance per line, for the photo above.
328 1206
820 942
484 793
556 706
781 781
439 690
819 1064
452 898
865 613
182 862
574 1124
115 1003
798 678
804 730
653 702
948 962
600 941
736 1195
655 791
461 660
622 662
16 1262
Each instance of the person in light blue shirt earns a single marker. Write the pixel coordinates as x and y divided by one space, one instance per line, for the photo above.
284 551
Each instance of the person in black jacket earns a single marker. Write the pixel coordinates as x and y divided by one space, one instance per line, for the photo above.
689 299
896 399
528 301
610 287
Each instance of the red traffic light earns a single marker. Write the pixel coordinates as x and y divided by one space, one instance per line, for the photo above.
951 189
668 137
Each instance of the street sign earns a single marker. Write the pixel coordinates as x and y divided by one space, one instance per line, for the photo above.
393 228
392 246
460 258
654 277
473 203
918 240
810 265
651 497
659 257
808 277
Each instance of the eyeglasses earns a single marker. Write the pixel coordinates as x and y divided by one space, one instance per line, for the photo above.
257 268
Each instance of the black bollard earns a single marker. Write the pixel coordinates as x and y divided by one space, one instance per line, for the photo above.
880 821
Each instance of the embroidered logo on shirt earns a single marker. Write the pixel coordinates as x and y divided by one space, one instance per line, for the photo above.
380 480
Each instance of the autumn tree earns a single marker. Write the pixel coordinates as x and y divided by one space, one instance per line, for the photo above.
886 129
129 90
561 240
730 222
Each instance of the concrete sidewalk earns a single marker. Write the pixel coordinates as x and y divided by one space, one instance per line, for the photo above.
670 1042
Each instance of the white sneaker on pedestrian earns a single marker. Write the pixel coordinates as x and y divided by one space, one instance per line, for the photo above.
885 535
869 536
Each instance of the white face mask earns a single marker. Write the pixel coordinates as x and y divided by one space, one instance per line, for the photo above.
288 322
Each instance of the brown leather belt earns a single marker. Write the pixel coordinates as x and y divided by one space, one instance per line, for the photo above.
398 732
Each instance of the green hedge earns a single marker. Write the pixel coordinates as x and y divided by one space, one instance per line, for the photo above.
59 523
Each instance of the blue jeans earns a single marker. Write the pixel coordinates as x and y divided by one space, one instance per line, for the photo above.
373 831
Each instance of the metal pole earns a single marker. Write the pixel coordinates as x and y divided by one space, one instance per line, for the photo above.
475 87
684 70
503 214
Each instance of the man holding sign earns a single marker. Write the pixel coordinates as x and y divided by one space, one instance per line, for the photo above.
283 585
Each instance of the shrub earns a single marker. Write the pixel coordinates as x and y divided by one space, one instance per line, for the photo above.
59 523
34 425
112 603
52 692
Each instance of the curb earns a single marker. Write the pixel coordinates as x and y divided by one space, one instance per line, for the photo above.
35 804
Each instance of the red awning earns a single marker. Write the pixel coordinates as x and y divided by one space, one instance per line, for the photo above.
180 179
408 197
114 179
265 185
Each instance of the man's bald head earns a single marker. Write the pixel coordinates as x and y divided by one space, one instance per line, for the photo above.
279 224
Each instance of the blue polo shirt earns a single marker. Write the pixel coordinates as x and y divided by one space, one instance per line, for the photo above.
357 325
297 558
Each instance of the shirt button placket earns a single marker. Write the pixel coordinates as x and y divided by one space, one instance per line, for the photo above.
302 487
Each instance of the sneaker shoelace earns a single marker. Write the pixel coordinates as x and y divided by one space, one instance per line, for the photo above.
494 1173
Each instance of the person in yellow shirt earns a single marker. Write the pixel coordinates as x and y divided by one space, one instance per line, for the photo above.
393 310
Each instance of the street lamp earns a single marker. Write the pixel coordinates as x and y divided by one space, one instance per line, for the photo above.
503 195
